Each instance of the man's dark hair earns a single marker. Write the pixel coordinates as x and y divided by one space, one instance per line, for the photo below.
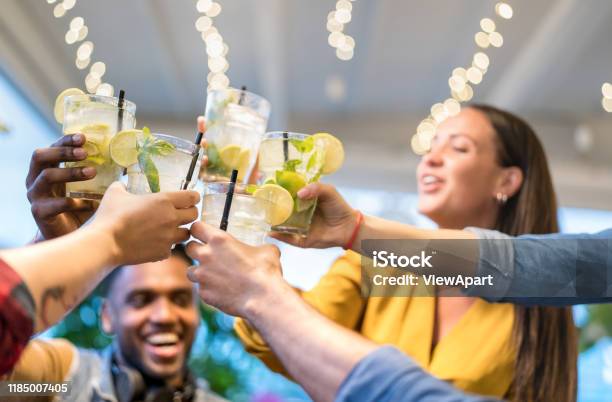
107 284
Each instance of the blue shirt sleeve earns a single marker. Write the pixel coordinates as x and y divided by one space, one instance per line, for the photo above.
497 260
387 375
554 269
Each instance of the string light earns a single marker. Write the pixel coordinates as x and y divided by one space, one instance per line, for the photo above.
481 61
462 80
504 10
496 39
78 32
336 22
487 25
606 102
216 48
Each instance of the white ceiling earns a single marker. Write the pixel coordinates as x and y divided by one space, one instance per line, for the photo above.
556 55
560 51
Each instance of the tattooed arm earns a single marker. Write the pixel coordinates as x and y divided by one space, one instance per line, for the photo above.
60 273
126 229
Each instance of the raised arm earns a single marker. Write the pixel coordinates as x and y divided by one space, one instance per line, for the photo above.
554 269
337 224
329 361
126 229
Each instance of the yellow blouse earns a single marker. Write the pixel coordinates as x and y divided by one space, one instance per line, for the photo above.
476 355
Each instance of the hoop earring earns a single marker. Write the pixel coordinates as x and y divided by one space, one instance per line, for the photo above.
501 198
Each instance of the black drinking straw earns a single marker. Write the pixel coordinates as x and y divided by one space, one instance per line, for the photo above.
194 160
228 200
286 145
120 105
120 115
242 95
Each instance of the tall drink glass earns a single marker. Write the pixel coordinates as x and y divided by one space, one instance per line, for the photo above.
163 171
248 217
97 117
236 121
292 160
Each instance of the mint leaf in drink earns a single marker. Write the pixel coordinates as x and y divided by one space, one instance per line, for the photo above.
312 161
315 178
213 156
291 164
149 169
146 132
144 142
302 146
161 148
149 147
297 144
308 144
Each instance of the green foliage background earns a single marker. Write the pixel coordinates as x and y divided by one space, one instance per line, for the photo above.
599 325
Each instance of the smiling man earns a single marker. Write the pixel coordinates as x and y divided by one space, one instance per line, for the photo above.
152 312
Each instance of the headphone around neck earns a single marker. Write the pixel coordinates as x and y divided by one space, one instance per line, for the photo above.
132 386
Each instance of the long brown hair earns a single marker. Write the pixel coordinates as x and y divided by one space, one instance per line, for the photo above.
545 337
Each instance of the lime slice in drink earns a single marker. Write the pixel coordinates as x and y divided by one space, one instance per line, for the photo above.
58 110
244 160
99 129
123 147
96 133
334 152
97 159
230 155
96 141
91 149
280 203
234 157
290 181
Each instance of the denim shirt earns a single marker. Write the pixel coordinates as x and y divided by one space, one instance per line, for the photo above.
554 269
387 375
92 380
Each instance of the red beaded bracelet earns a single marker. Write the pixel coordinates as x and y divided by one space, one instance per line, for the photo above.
349 244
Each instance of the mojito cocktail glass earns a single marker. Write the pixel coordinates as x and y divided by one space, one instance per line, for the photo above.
97 117
162 164
236 121
248 220
292 160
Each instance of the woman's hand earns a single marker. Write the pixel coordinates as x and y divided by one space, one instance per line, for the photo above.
333 222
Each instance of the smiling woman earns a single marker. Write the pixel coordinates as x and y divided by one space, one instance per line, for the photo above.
486 168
